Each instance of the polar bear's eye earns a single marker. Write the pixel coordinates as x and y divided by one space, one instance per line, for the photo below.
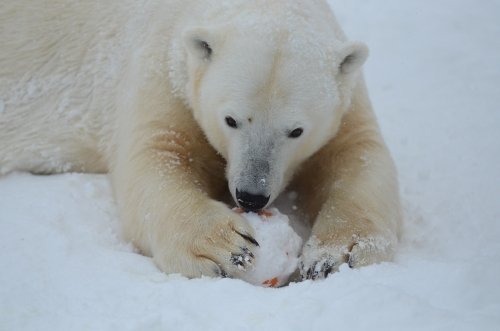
296 133
231 122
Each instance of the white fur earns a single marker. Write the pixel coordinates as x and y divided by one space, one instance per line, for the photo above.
125 87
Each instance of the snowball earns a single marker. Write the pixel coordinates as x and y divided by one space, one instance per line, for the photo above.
276 258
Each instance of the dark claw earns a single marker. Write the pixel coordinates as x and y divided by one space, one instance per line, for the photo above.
249 238
240 260
315 272
237 260
222 273
304 274
309 274
350 262
312 273
328 270
247 252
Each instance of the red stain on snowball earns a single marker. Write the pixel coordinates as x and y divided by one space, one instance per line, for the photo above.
273 282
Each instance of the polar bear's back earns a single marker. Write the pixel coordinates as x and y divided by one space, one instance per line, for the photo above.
50 47
60 65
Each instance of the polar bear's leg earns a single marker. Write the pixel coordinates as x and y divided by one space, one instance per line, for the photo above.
353 197
166 179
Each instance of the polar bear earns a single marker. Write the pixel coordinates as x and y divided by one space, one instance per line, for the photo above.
189 104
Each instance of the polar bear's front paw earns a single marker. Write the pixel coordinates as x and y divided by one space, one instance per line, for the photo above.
214 242
320 259
223 243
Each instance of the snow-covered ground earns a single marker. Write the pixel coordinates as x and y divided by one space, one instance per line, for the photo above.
434 77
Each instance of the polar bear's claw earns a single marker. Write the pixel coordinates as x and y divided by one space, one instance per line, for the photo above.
221 273
249 238
320 269
244 259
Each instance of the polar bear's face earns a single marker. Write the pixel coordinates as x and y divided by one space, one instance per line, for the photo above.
266 107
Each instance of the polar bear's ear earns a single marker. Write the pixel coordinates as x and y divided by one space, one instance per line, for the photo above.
352 56
198 43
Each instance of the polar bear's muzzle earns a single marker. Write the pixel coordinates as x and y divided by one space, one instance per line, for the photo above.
252 188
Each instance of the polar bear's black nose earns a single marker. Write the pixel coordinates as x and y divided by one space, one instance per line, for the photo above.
251 202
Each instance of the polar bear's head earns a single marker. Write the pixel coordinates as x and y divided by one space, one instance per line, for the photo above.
267 103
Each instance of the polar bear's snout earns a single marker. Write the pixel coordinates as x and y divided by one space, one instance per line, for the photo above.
252 190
